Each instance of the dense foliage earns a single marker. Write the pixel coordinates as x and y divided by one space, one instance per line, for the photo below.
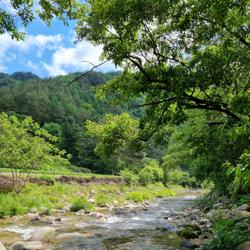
189 61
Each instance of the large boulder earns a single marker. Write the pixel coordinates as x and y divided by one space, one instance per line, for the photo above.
29 245
244 246
44 234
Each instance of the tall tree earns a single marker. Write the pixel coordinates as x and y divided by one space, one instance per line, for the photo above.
180 55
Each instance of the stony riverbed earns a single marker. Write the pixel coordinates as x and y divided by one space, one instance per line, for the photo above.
163 224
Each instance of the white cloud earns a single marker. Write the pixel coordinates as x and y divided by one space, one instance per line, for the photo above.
37 44
64 59
41 53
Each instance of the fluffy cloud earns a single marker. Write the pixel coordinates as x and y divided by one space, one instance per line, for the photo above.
36 44
48 55
73 59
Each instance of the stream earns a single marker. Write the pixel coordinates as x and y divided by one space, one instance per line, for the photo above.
137 228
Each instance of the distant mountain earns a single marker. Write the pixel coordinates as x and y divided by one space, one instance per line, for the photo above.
6 79
24 76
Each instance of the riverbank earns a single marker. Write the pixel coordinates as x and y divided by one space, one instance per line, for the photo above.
46 199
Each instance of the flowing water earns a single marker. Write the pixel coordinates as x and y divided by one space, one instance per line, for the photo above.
117 230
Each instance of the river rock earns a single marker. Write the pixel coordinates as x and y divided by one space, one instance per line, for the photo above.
80 212
120 211
169 228
29 245
244 207
97 215
66 209
43 234
33 210
218 205
192 243
218 214
190 232
67 236
188 244
193 217
33 216
238 214
91 200
244 246
2 246
196 242
204 221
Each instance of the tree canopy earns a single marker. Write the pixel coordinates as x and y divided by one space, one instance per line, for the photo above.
179 55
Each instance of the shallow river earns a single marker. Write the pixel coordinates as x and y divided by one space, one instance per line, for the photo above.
138 229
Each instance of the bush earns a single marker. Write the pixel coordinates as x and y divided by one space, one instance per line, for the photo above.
101 200
139 196
228 234
129 177
151 173
81 204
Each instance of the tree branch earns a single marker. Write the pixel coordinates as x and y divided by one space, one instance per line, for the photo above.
87 72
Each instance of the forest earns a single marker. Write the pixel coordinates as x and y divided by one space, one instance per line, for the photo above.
174 118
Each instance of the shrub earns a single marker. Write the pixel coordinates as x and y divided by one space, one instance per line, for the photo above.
139 196
81 204
101 200
228 234
151 173
129 177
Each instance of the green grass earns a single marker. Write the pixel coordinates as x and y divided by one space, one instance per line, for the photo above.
57 196
58 173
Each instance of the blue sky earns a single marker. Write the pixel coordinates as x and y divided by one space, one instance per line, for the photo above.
47 51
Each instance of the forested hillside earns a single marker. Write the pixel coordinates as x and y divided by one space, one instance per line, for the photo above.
60 108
